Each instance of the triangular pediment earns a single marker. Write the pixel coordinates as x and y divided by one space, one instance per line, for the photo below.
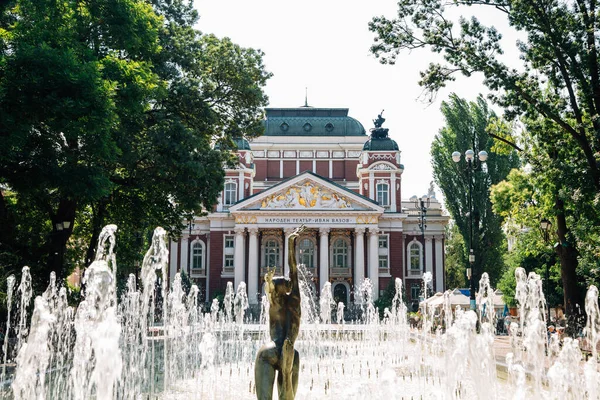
307 191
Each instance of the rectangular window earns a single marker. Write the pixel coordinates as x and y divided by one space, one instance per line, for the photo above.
228 254
383 241
415 291
229 242
230 194
383 194
228 265
383 263
415 257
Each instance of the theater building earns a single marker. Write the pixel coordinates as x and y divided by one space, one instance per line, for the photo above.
320 168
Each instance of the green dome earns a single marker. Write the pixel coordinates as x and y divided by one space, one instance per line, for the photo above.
380 141
309 121
240 144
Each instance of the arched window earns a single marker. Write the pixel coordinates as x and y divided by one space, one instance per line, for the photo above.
230 194
306 252
415 258
272 253
383 194
340 254
198 255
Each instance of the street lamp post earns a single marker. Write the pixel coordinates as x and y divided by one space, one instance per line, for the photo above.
422 204
473 164
545 226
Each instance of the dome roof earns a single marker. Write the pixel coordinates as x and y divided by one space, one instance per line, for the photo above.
309 121
380 141
240 144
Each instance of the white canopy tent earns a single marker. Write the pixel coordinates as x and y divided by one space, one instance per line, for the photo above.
457 298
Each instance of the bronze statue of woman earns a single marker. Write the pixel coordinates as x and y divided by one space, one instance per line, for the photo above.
284 320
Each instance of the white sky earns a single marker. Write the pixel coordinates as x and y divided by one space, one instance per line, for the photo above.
324 45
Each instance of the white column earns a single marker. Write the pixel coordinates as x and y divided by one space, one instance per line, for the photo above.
281 166
330 168
371 186
297 166
439 264
359 256
314 169
428 255
323 256
183 262
238 261
374 261
253 266
393 192
241 185
286 265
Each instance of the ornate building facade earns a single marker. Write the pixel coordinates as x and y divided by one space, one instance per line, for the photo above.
317 167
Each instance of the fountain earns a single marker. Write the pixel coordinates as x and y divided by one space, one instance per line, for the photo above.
150 343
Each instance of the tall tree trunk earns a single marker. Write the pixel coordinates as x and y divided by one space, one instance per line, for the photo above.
567 254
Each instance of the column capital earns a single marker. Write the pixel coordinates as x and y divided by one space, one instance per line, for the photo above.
324 231
288 231
373 231
239 230
253 231
428 239
359 231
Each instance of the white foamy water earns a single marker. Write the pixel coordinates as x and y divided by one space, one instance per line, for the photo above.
153 343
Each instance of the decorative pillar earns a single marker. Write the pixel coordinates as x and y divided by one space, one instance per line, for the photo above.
253 266
439 264
287 232
240 185
323 256
238 261
393 207
359 256
428 255
374 261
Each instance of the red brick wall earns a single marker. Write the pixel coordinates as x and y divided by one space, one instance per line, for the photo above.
261 170
289 168
338 169
273 169
350 170
305 165
323 168
216 262
395 249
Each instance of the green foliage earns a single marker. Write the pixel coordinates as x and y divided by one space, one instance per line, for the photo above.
385 300
456 261
534 255
465 128
555 93
108 113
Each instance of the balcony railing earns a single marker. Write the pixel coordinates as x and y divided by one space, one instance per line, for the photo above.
197 272
414 272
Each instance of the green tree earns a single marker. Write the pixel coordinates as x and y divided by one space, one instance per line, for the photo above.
556 91
465 128
560 50
456 260
108 112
